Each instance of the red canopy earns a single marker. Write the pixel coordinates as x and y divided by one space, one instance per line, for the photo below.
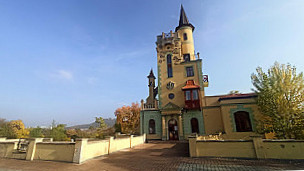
190 84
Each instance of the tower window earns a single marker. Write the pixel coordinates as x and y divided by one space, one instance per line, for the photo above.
169 65
189 71
185 36
186 57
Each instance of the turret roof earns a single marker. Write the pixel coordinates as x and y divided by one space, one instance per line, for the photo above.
183 20
151 75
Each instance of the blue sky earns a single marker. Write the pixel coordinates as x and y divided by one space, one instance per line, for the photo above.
73 60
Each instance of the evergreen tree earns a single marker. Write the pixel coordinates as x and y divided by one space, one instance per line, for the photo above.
58 133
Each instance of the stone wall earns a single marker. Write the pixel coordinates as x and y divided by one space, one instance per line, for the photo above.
76 152
256 148
55 151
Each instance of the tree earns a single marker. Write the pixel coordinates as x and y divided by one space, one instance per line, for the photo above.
281 101
58 133
101 126
14 129
128 118
36 132
117 127
101 122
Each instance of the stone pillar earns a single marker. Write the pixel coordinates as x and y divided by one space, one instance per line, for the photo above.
144 138
80 146
31 149
141 122
258 146
111 139
180 127
192 146
142 104
164 131
131 138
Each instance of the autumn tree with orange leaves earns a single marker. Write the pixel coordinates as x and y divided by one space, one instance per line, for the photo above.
128 118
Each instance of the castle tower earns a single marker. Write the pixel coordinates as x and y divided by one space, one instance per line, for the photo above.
177 64
180 87
183 110
185 33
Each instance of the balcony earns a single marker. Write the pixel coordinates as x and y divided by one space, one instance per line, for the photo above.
146 106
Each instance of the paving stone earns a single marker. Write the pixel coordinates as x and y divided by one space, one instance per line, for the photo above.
155 155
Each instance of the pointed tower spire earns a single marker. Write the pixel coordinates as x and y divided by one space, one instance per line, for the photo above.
183 20
151 75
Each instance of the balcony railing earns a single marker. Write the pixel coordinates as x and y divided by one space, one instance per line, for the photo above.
150 106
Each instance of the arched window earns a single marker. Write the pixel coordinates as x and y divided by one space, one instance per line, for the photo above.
242 121
169 65
194 125
185 36
151 126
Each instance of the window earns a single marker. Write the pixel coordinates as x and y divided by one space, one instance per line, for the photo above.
192 100
195 95
189 71
242 121
186 57
194 125
169 65
188 95
185 36
151 126
171 96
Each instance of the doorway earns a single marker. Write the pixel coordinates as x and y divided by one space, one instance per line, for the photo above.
173 129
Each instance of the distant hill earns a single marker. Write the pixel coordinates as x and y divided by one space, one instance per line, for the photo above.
109 122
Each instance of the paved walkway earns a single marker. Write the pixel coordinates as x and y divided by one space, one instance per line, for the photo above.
156 155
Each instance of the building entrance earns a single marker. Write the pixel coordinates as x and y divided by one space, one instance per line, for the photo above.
173 129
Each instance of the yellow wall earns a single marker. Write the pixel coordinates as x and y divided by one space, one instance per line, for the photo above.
137 141
226 149
255 148
119 144
187 45
153 136
213 120
95 148
211 101
227 120
283 149
55 151
69 151
7 149
177 49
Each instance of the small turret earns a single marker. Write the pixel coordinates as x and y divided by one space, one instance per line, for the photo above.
151 101
185 30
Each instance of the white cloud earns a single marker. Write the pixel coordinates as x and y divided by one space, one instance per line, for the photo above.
62 74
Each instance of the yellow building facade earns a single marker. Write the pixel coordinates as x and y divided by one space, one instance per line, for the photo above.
177 106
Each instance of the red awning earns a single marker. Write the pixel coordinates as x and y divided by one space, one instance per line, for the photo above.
190 84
